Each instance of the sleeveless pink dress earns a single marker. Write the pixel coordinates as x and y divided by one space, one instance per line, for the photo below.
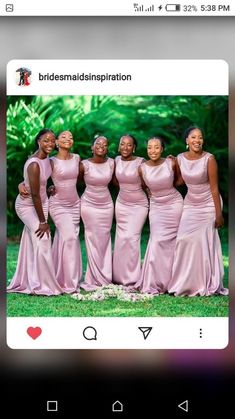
166 205
64 208
131 212
97 215
35 272
198 264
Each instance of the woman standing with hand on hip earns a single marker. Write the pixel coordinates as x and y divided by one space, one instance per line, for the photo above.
64 208
35 272
97 215
131 211
166 205
198 264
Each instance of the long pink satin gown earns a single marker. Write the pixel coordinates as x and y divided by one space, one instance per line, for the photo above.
198 264
131 212
97 215
64 208
166 205
35 272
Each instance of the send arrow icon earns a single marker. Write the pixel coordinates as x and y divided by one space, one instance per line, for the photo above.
184 405
145 331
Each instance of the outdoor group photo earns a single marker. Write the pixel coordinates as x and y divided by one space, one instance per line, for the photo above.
117 206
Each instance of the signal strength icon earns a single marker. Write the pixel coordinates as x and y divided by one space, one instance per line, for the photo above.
150 9
140 8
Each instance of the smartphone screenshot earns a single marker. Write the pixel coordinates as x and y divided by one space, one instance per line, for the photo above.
117 156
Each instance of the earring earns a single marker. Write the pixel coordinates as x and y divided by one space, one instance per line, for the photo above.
187 146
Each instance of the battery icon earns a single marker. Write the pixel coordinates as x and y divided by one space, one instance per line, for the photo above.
173 7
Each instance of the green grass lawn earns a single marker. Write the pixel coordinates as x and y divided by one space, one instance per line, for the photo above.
65 306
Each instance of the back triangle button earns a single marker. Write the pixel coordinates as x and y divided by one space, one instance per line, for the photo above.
184 405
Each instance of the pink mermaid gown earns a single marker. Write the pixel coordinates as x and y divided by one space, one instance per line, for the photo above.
64 208
35 272
97 215
131 212
166 205
198 264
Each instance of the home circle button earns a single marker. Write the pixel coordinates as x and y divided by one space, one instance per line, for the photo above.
117 406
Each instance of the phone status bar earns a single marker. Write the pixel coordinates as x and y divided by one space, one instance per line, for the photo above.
120 8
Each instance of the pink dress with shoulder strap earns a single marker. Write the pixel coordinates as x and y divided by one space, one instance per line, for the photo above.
198 264
97 215
35 272
64 208
131 211
166 205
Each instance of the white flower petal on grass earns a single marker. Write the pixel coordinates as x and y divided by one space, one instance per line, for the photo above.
120 292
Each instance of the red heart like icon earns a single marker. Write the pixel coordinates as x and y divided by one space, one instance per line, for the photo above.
34 332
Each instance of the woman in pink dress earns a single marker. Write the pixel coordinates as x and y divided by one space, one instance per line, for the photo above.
131 212
166 205
64 208
35 272
198 264
97 215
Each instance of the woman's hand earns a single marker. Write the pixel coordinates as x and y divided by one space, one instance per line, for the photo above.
51 190
171 157
24 193
42 229
219 221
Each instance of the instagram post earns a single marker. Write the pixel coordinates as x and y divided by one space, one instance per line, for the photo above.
172 378
117 204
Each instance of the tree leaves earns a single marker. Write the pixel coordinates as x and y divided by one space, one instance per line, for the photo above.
114 116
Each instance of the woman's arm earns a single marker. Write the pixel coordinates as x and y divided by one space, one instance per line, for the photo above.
178 180
51 190
114 180
213 180
81 172
143 184
34 183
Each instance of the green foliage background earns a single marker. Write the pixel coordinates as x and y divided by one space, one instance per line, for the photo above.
113 116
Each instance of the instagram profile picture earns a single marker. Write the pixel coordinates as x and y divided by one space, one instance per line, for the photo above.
23 76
